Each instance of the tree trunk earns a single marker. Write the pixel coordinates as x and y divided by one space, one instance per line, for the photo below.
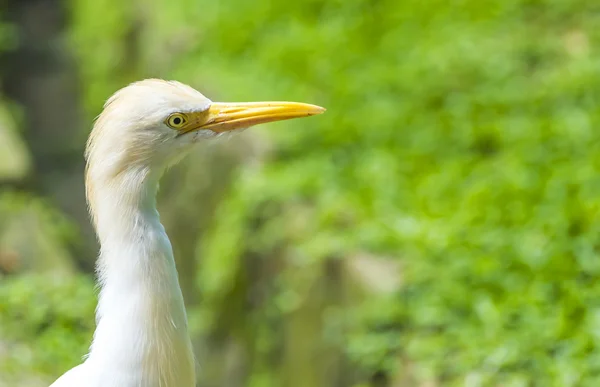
40 75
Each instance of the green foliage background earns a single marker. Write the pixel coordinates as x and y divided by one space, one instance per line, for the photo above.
438 226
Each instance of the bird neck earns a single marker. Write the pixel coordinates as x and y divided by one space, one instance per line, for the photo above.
141 337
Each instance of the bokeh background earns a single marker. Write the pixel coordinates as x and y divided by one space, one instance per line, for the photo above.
438 226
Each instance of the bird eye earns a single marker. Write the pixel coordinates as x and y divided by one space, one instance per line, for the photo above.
176 120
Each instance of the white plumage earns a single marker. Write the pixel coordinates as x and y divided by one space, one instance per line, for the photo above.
141 338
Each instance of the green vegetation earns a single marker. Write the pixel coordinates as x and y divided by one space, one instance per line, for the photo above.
438 226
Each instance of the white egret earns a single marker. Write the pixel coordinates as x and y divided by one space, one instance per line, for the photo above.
141 337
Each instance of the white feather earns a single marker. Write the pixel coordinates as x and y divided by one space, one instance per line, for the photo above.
141 338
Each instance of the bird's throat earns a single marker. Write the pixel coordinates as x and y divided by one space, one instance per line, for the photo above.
141 336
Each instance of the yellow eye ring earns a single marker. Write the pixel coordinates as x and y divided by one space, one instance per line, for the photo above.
176 120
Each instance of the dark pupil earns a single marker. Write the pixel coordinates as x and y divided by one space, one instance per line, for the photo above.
176 120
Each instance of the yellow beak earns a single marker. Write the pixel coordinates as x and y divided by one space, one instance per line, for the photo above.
223 117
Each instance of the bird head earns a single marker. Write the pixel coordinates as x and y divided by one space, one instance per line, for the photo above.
149 124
